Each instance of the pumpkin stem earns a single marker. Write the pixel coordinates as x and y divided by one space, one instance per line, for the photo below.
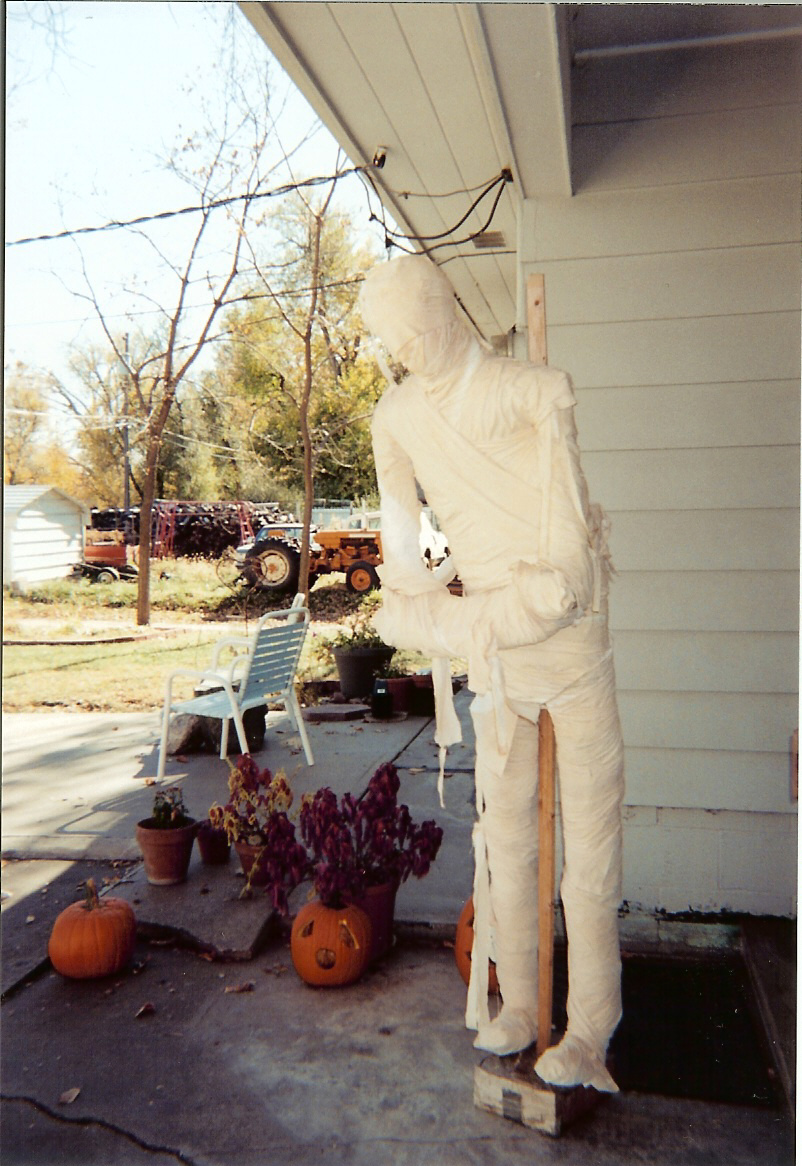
91 896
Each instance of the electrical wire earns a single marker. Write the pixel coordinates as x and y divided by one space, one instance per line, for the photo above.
392 238
477 254
213 204
500 179
474 234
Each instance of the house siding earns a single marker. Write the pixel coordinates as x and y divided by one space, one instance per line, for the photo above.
673 299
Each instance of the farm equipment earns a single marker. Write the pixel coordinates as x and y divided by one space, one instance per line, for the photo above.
105 558
204 529
272 560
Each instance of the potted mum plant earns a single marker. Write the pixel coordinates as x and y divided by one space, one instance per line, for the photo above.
361 849
255 819
166 838
358 650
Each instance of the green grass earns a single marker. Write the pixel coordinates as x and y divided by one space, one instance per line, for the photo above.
191 585
123 677
191 608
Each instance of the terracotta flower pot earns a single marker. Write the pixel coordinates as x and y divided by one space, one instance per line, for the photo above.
422 695
213 844
400 690
248 856
166 852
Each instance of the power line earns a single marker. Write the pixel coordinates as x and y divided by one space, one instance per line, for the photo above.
214 204
392 237
500 180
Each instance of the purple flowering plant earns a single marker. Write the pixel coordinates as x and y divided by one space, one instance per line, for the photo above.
358 843
346 846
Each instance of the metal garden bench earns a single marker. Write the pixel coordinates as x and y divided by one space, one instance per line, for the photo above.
264 671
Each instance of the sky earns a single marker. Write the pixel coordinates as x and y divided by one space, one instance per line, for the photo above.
89 115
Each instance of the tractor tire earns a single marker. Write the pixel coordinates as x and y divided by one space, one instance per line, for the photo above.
361 577
276 568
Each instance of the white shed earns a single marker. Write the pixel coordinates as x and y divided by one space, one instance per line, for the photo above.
43 534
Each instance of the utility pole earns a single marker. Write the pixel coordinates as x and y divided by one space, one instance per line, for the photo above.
126 464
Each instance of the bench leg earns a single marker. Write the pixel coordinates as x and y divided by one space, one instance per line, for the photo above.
168 705
163 745
295 710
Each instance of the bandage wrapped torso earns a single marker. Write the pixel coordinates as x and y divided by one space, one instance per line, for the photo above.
493 445
496 457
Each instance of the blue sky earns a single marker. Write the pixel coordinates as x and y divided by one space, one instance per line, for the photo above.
86 122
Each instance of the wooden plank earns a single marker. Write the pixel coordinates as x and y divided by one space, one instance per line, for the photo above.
734 601
688 416
707 350
746 213
545 879
673 284
693 479
538 352
699 662
769 949
705 540
656 152
509 1087
546 792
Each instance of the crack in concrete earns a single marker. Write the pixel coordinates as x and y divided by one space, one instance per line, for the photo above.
33 974
102 1124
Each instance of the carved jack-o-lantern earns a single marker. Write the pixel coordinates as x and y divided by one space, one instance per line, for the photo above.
463 947
330 947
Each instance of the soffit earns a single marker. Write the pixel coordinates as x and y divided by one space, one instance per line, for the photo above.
456 93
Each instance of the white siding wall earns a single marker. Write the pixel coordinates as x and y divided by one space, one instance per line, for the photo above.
44 540
672 295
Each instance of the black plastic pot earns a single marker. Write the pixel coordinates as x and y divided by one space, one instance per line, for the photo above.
357 668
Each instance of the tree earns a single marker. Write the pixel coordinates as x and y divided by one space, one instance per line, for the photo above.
30 451
229 167
24 418
293 361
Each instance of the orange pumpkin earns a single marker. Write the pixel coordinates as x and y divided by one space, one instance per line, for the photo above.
330 946
463 947
92 938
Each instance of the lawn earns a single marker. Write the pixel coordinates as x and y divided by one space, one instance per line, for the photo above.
127 676
56 654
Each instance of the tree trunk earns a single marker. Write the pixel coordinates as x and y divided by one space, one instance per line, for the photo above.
309 484
145 520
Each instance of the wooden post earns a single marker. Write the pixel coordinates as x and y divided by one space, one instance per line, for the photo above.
546 814
509 1086
546 800
536 319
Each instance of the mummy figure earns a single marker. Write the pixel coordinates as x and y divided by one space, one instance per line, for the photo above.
492 444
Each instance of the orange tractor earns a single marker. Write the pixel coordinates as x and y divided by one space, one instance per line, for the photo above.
272 560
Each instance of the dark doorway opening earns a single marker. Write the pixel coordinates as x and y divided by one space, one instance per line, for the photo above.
689 1030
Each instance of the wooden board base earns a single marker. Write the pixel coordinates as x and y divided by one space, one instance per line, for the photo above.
510 1087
